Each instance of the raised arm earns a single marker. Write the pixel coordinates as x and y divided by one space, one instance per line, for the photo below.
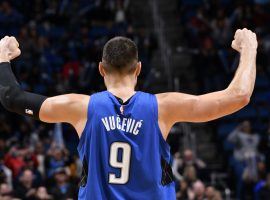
70 108
179 107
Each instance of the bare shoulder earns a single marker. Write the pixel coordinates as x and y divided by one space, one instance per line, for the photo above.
79 98
161 97
79 103
162 100
74 96
71 99
58 108
174 106
175 98
165 98
164 118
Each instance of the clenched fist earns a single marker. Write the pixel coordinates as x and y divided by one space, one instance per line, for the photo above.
9 49
244 39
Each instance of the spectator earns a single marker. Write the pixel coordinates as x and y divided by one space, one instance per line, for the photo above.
26 189
56 158
221 26
190 175
70 64
264 193
246 143
42 194
190 160
30 164
39 150
177 161
80 29
14 160
261 181
120 13
6 192
182 193
246 157
63 189
265 146
5 172
212 194
198 191
207 27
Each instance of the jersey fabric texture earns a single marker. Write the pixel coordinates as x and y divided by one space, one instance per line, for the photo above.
123 151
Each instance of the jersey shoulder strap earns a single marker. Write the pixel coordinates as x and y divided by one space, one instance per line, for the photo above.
91 110
96 98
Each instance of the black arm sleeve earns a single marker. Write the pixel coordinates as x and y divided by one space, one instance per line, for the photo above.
13 98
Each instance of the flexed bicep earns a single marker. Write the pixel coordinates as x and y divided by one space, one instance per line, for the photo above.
180 107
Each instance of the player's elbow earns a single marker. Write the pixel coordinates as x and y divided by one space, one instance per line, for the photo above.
243 98
8 94
240 96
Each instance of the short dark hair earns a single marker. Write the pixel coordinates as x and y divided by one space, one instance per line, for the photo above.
120 54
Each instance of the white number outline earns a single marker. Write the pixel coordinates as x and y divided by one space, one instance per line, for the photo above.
113 162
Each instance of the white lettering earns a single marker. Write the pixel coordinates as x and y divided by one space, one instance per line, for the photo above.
124 124
106 124
118 121
127 125
112 122
138 125
132 126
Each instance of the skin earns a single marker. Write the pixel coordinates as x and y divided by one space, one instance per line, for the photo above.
173 106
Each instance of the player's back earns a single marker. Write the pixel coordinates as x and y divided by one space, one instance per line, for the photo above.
123 151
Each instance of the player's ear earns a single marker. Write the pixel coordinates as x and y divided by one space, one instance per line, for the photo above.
101 69
138 68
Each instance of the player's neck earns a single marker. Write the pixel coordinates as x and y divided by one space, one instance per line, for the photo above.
121 87
123 92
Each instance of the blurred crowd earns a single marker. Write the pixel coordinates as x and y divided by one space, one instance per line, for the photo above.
61 43
208 28
250 161
38 172
189 172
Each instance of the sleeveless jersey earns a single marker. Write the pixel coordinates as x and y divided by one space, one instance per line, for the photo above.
123 152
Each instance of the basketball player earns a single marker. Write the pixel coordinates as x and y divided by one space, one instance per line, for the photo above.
123 132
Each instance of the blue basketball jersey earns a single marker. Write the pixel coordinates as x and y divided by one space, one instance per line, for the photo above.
123 151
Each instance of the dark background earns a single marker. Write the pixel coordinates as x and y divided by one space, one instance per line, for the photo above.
184 45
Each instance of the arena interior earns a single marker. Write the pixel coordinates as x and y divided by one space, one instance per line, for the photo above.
184 45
